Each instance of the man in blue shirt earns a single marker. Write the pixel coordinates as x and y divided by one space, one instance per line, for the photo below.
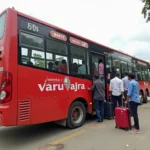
134 100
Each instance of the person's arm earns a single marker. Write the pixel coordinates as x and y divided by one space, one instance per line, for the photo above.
103 85
122 89
123 82
60 68
110 88
92 88
130 88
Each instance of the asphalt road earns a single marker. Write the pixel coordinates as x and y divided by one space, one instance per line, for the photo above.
92 136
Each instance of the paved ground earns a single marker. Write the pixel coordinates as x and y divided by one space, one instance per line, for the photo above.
92 136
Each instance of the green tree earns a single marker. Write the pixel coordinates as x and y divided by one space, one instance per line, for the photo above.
39 62
60 58
146 10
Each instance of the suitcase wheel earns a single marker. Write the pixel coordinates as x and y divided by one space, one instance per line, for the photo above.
126 129
116 127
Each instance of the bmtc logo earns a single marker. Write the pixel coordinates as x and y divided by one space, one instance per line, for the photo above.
57 84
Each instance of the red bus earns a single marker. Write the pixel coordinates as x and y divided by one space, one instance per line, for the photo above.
45 72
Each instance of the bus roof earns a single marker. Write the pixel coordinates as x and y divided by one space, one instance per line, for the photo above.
63 30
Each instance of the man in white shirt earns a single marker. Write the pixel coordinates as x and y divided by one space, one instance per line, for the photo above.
117 91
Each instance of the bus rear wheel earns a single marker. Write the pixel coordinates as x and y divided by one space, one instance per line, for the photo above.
146 96
141 98
76 115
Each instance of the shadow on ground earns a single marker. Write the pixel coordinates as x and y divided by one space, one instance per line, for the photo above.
17 137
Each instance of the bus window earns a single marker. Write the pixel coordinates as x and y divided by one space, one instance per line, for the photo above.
56 47
146 74
138 73
63 63
88 63
130 67
75 63
149 74
2 25
56 56
78 60
32 50
124 68
109 64
116 67
134 70
24 55
49 58
24 51
31 40
108 68
143 73
38 58
95 64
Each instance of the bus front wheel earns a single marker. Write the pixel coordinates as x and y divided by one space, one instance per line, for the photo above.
76 115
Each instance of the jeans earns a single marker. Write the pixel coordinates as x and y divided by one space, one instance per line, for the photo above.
99 108
134 109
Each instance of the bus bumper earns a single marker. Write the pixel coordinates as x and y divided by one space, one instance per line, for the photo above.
6 118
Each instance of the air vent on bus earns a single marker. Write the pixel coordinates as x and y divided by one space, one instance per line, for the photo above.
24 110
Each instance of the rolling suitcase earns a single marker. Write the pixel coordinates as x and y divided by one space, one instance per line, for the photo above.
108 110
122 118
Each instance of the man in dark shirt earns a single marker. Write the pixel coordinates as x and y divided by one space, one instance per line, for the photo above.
98 89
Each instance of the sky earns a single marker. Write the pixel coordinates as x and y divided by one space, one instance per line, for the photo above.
115 23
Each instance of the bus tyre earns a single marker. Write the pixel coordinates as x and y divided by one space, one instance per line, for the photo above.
145 98
76 115
141 98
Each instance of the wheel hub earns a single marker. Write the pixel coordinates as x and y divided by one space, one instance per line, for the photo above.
77 115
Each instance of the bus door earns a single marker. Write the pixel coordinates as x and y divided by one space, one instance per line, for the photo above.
95 66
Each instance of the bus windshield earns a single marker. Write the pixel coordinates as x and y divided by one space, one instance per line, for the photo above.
2 25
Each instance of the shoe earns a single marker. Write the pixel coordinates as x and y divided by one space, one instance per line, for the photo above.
135 131
99 121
